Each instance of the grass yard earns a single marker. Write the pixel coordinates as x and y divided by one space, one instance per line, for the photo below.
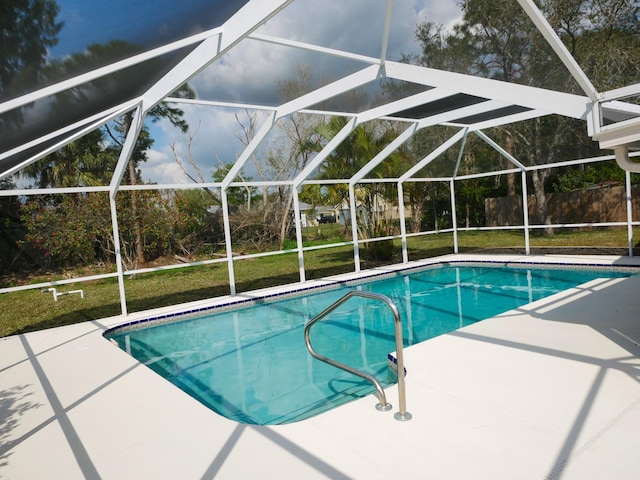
31 310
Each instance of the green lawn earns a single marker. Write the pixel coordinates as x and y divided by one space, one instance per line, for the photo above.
34 310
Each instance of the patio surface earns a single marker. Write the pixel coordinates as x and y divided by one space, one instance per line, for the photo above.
548 391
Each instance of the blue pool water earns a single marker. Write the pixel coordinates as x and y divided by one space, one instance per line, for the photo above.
251 364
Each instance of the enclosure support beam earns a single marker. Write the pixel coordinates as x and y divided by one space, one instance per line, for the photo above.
627 183
525 213
127 150
387 30
403 226
123 161
379 158
354 227
80 128
255 142
561 50
433 155
384 153
452 191
297 220
117 247
548 101
227 240
345 84
327 150
246 20
500 150
460 153
454 219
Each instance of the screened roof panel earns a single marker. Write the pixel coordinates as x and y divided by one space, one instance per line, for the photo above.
14 160
374 94
79 164
491 115
442 166
429 109
121 27
42 117
600 33
332 24
269 74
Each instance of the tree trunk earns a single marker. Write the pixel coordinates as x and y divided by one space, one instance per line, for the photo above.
416 214
511 177
542 209
539 179
435 215
137 230
467 221
286 218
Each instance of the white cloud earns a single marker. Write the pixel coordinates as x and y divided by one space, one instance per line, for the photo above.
251 71
446 13
161 169
214 143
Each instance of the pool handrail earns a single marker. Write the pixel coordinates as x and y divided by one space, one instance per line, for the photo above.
402 414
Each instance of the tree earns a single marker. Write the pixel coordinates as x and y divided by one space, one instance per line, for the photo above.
299 137
497 40
471 193
62 233
83 162
296 141
353 153
11 230
29 29
75 229
194 227
604 37
143 143
118 129
235 196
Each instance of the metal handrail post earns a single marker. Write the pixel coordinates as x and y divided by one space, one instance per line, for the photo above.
402 414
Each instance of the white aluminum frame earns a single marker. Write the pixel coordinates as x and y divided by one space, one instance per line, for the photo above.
211 45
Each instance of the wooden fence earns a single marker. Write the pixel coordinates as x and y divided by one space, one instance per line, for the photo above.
581 206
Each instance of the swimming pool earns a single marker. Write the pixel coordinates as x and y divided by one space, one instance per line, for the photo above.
250 364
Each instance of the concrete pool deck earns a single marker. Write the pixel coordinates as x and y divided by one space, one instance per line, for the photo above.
547 391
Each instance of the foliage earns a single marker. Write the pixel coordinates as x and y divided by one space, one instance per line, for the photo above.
582 176
362 145
63 231
194 226
497 40
236 196
437 210
262 229
28 29
83 162
72 230
11 230
604 37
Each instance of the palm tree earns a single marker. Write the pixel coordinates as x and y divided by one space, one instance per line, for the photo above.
83 162
361 146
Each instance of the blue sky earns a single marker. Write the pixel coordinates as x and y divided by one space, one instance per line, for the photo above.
137 21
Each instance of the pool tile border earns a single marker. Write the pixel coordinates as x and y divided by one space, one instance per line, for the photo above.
358 279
